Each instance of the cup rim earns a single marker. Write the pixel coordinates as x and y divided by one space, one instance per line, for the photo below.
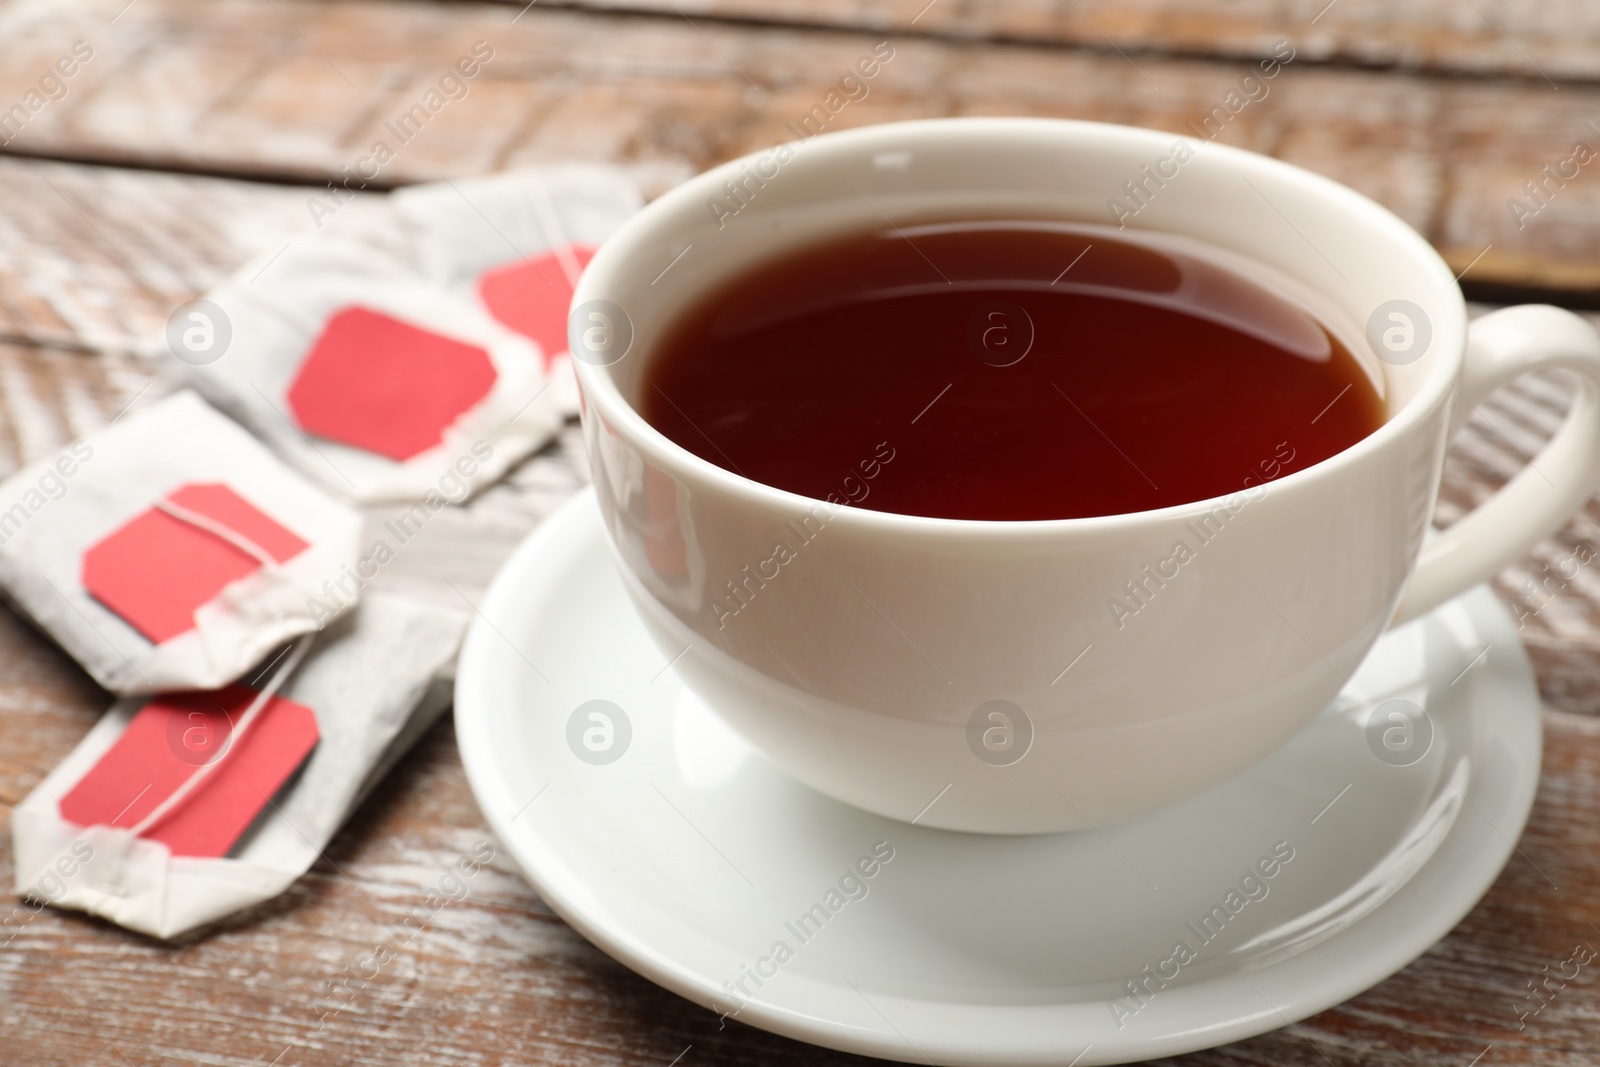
599 389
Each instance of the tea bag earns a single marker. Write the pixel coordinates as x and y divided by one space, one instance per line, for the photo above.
369 379
516 244
164 785
171 550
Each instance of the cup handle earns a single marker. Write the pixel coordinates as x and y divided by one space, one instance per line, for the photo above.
1503 346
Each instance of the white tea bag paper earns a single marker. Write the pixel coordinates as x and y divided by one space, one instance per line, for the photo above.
516 243
374 682
368 378
170 550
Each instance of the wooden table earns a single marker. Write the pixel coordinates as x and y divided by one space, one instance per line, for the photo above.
193 135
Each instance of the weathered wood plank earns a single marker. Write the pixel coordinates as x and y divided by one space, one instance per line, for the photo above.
98 257
50 397
1518 40
290 89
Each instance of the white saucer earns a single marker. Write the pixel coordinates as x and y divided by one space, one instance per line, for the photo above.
686 856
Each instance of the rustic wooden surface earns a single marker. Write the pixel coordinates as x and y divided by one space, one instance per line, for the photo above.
286 88
1486 37
191 141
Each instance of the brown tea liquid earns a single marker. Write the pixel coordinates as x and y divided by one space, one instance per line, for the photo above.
1007 370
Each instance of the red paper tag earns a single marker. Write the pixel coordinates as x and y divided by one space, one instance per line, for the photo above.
386 386
169 740
532 296
155 570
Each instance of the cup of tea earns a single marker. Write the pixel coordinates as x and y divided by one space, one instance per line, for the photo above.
1018 475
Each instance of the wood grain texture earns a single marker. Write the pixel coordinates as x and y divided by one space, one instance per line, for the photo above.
1531 41
289 89
98 257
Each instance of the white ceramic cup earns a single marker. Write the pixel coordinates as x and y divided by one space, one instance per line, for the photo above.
970 674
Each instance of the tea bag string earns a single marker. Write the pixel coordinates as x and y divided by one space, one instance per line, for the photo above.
226 533
251 713
219 530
